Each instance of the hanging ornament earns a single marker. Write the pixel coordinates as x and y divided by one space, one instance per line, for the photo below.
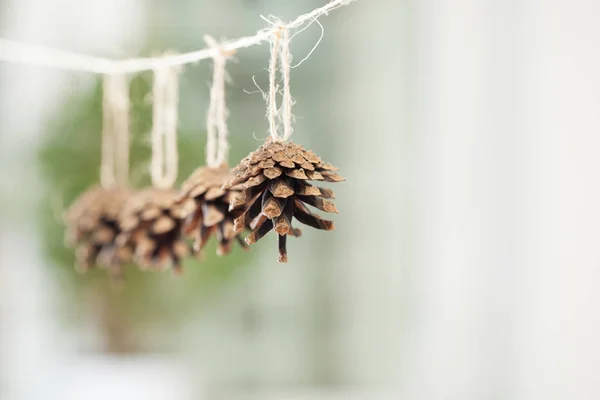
91 220
276 189
151 220
92 228
275 177
151 226
210 214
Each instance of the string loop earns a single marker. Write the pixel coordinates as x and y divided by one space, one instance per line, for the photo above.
280 119
165 93
114 167
217 145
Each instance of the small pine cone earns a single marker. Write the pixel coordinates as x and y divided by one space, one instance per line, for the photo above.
275 184
210 215
92 228
151 225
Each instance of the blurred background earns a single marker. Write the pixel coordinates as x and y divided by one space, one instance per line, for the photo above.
466 256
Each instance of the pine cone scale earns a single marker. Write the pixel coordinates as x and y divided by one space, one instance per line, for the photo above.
245 197
281 188
325 193
319 203
308 190
248 215
314 176
331 176
263 227
272 173
214 193
255 181
198 191
192 221
212 214
296 173
272 207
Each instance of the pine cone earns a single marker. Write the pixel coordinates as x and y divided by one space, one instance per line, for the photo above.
92 228
275 184
151 225
210 214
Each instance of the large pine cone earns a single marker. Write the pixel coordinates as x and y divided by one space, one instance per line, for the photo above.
275 180
151 224
92 228
210 214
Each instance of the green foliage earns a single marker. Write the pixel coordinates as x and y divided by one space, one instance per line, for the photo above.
69 159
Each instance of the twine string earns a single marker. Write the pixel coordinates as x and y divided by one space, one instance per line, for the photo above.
107 163
114 167
272 111
280 118
217 144
121 124
17 52
165 93
285 58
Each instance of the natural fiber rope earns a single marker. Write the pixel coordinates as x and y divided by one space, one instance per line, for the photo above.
285 59
107 163
164 127
22 53
272 112
121 123
280 119
217 145
114 168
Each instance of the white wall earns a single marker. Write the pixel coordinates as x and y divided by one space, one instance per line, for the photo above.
37 352
502 175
